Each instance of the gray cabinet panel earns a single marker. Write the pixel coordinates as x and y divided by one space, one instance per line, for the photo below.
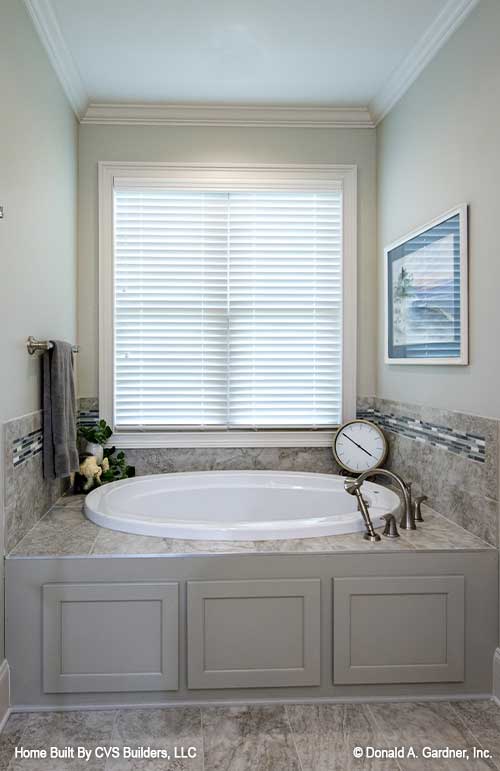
258 633
398 629
110 637
26 577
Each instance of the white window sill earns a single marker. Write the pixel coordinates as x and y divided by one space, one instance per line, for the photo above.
152 439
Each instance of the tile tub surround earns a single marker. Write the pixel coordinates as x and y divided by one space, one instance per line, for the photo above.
171 460
291 737
87 411
65 532
471 446
460 487
27 495
27 447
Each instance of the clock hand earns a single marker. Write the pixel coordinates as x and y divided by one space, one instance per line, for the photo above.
358 445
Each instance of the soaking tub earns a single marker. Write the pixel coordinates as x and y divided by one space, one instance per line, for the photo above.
235 505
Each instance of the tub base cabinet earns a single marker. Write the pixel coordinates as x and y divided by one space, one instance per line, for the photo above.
110 637
399 629
246 634
158 630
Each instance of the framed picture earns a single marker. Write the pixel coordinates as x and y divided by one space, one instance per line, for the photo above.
426 293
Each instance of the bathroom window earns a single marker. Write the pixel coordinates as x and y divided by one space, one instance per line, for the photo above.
228 307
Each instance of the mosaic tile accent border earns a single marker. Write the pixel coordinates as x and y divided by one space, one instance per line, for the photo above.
87 417
472 446
27 447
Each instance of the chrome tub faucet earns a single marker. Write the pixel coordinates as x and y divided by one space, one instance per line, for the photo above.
353 487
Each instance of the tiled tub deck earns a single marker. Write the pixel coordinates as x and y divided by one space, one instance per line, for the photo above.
65 532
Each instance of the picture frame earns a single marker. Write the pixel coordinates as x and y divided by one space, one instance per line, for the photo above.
426 293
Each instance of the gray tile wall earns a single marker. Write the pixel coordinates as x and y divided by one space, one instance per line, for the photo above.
88 411
149 461
27 495
459 487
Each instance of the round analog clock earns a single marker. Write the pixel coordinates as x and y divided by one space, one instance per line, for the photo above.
359 446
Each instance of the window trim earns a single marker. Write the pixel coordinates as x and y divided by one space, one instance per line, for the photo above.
220 176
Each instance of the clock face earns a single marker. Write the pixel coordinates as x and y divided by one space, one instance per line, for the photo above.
359 446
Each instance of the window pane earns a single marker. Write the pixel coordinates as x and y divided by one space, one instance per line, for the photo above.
170 308
285 304
228 309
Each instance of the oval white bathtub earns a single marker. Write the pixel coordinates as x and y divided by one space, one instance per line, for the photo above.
235 505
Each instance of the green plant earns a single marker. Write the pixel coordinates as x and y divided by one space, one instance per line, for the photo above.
98 434
118 468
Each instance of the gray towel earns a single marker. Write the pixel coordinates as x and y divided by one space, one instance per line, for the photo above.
60 454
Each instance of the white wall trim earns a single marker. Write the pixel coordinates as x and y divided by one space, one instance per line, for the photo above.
433 39
5 718
139 440
496 676
220 176
220 115
4 693
49 32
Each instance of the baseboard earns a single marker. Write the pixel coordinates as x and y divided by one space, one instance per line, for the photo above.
496 676
244 702
4 693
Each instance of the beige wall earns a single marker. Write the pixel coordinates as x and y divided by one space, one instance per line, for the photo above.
438 147
259 145
38 165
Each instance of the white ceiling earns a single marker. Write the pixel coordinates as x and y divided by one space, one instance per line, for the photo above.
332 53
300 52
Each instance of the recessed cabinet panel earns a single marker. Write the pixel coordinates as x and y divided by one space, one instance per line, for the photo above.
398 629
110 637
253 633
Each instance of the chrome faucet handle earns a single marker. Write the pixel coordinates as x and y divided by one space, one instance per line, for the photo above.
390 529
417 508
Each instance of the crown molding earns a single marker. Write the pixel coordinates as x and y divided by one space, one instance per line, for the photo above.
433 39
49 32
221 115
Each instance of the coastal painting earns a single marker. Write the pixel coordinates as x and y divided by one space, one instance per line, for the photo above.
426 293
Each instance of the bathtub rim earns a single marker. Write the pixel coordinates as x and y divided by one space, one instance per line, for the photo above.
303 528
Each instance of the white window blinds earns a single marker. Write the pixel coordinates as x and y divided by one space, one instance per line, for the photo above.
228 309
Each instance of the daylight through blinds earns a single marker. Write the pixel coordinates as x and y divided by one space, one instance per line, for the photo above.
228 309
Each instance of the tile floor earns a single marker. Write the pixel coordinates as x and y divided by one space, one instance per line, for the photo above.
311 737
